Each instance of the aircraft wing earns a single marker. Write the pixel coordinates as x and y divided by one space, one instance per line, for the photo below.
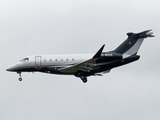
85 66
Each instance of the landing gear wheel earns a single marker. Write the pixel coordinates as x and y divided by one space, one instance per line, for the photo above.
20 79
84 79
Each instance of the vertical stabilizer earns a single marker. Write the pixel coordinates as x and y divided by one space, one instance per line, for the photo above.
131 46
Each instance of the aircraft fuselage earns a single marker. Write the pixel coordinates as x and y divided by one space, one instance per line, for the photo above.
52 63
84 65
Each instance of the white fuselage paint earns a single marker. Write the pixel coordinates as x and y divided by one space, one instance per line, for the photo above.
50 60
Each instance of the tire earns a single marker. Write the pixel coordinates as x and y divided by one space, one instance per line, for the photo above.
84 79
20 79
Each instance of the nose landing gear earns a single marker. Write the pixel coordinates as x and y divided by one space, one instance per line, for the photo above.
20 77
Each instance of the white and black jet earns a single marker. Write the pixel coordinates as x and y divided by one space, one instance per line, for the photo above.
84 65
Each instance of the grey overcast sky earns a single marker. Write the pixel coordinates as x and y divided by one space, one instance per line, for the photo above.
35 27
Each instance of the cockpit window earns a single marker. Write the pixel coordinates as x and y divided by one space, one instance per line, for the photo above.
24 59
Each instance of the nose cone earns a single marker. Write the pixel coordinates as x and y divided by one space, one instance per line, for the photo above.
12 68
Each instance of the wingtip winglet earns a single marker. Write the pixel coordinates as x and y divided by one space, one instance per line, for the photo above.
98 54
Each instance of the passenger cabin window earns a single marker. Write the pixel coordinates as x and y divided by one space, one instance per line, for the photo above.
67 59
24 59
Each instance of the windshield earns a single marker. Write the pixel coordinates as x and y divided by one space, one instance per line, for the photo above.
24 59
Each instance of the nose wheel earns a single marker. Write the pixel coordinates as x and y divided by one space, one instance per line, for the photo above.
20 77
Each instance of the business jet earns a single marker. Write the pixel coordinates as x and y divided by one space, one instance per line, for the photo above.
84 65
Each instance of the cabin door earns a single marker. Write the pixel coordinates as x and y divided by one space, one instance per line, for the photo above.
38 62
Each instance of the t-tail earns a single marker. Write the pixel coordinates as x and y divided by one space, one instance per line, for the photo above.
131 46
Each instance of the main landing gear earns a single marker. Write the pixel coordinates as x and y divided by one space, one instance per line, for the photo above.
20 77
84 79
82 76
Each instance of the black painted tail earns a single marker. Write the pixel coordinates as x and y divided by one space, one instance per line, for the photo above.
132 44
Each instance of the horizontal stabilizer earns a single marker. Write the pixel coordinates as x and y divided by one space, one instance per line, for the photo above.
151 36
145 34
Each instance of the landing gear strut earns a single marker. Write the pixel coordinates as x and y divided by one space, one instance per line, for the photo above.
84 79
20 77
